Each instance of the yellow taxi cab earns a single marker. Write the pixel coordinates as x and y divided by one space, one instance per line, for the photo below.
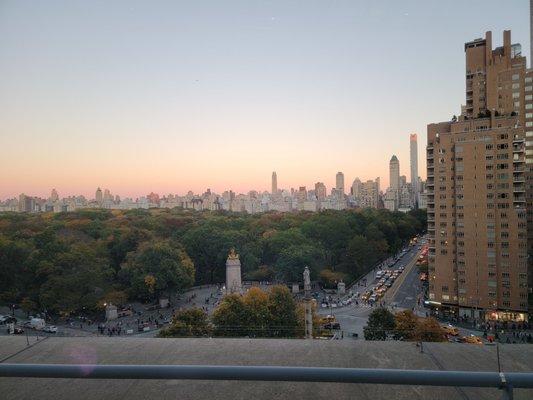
450 330
471 339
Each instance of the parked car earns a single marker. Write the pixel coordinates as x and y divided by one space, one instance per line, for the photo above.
332 325
472 339
7 319
18 331
50 329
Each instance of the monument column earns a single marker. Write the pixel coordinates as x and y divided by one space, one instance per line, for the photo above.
308 303
233 273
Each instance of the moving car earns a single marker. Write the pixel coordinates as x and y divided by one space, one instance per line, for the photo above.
450 330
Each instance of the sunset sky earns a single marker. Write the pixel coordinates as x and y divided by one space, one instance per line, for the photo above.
169 96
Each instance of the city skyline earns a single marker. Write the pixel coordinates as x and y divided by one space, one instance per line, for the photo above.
89 193
144 108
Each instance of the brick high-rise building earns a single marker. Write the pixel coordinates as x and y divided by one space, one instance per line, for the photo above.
476 181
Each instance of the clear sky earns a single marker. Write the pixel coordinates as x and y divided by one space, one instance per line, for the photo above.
167 96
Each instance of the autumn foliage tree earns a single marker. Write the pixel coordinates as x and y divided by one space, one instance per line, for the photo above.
410 327
258 314
192 322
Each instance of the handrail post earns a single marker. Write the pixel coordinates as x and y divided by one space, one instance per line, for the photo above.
506 387
507 392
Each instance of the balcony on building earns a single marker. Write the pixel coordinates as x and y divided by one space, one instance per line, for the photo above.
519 158
519 187
519 197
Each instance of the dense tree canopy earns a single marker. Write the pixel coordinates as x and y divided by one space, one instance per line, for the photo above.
67 262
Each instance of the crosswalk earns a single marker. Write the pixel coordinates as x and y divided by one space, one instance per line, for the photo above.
351 306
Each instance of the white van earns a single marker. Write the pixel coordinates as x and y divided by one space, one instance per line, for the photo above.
37 323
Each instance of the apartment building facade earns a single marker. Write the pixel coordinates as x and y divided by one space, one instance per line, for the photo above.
478 191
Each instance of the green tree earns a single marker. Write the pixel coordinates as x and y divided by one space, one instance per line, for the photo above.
331 231
230 317
282 308
292 260
380 324
359 256
28 305
157 268
77 283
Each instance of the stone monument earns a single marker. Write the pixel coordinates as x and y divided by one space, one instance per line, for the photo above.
308 304
233 273
341 288
111 312
295 288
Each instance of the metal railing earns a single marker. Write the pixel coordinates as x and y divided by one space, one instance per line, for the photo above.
497 380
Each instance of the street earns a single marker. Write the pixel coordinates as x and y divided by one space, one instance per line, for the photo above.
402 295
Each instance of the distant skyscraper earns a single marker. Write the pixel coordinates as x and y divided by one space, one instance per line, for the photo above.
339 185
356 188
414 167
54 196
320 191
26 203
302 194
99 196
107 195
394 173
368 193
274 182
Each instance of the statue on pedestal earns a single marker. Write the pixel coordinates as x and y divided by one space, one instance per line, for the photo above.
308 304
307 281
233 273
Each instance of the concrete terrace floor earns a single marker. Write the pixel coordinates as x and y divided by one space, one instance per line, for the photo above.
354 354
